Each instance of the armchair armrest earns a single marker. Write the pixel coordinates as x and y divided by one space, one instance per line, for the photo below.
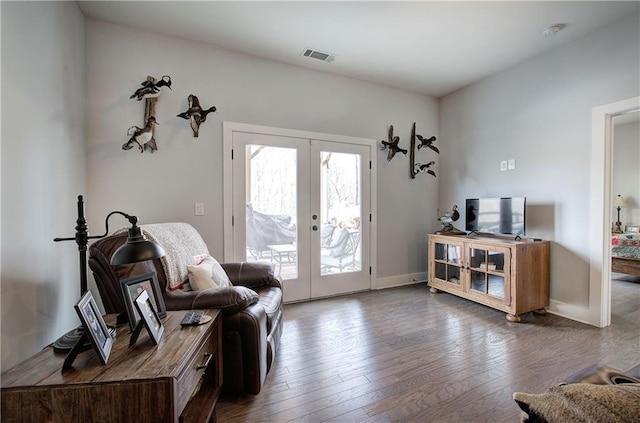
251 274
230 299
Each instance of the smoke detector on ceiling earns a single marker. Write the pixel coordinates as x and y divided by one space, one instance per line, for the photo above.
319 55
552 29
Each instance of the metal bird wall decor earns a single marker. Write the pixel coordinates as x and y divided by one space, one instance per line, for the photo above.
196 114
142 136
392 145
427 142
150 88
415 168
419 168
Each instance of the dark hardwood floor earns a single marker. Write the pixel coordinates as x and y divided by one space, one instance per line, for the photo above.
405 355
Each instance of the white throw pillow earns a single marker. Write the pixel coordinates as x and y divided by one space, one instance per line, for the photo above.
208 274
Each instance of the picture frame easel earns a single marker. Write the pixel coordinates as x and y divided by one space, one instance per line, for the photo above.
148 318
132 287
94 328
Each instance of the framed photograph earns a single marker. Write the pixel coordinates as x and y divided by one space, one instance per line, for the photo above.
149 318
134 286
94 326
632 229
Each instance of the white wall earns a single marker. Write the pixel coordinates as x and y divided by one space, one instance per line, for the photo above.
164 186
539 112
626 172
43 169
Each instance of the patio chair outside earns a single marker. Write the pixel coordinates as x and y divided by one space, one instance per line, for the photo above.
342 255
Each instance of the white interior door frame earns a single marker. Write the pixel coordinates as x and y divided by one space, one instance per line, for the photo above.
599 313
228 128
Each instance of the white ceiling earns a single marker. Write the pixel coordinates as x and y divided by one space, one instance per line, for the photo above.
429 47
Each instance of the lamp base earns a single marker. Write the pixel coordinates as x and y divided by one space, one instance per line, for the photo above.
66 342
69 339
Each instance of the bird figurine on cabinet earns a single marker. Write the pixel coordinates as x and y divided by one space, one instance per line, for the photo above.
424 168
142 136
427 142
150 89
447 221
196 114
392 145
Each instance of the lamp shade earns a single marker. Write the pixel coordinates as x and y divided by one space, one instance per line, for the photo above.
137 248
620 202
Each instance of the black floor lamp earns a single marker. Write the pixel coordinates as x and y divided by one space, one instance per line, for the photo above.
137 248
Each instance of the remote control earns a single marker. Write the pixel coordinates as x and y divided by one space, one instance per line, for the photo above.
191 318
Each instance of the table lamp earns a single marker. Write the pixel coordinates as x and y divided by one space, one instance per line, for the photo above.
619 203
137 248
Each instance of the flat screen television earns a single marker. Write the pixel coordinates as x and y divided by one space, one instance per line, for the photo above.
504 215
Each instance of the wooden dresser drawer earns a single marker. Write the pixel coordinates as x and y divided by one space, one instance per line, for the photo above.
189 381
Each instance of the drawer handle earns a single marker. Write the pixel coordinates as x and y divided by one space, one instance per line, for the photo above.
207 359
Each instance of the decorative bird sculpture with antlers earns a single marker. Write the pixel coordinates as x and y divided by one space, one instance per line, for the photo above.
392 145
427 142
448 218
196 114
142 136
150 89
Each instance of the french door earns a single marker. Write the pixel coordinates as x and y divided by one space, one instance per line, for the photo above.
303 204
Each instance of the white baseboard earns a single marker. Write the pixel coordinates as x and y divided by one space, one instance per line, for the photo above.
569 311
399 280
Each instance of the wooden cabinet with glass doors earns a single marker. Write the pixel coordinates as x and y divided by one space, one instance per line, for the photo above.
508 275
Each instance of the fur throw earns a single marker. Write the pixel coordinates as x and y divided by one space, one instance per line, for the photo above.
582 402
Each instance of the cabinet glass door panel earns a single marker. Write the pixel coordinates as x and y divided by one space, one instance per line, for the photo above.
488 273
441 251
479 281
496 286
495 261
487 283
447 263
447 272
448 252
477 258
492 261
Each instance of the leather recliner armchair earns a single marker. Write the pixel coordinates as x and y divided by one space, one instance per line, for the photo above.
251 308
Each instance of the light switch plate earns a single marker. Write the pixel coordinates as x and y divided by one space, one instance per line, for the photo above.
503 165
512 164
199 209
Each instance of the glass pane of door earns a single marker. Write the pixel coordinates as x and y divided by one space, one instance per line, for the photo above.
340 212
339 201
271 201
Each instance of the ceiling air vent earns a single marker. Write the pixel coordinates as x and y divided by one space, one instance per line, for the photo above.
315 54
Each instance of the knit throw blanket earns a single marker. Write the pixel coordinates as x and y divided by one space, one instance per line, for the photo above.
181 243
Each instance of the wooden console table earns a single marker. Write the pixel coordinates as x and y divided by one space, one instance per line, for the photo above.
178 380
508 275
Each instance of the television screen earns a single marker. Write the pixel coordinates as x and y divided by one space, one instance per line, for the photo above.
496 215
